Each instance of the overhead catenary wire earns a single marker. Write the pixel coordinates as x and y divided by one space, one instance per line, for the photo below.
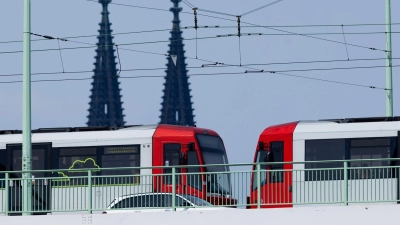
62 62
344 37
267 27
202 67
192 75
132 6
210 37
259 8
275 72
294 33
188 4
225 27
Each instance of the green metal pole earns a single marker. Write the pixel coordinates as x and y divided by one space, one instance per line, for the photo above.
258 167
345 184
173 189
26 120
389 86
89 198
6 190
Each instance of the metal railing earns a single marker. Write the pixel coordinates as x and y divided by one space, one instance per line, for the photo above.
342 182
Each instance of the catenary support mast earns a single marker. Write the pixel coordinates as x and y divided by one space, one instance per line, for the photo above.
26 120
389 85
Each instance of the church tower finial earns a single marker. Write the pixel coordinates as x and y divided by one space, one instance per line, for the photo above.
105 100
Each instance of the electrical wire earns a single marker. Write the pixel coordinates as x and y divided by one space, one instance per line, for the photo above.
213 27
126 44
133 6
214 66
188 4
311 34
218 36
267 27
344 37
201 67
262 7
209 74
294 33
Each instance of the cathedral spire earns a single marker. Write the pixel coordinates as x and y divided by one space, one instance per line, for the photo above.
176 106
105 100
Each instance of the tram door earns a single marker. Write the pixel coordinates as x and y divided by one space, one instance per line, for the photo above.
397 155
193 183
276 183
171 157
40 185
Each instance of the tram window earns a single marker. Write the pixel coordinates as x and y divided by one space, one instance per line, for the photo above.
375 148
76 158
171 158
194 180
38 161
324 150
276 157
121 156
260 158
78 151
2 166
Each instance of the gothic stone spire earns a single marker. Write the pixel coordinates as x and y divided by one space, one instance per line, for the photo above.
176 105
105 100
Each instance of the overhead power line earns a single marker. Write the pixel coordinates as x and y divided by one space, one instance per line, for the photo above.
134 6
267 27
243 34
215 27
294 33
259 8
204 74
202 67
213 37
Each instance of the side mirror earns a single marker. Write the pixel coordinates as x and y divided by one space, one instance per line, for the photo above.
182 159
191 146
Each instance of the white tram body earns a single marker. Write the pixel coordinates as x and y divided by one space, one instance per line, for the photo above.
84 148
363 141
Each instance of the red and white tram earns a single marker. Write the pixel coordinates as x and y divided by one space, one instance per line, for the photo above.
292 184
131 146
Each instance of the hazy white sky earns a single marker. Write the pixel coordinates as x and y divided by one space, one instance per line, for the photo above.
238 107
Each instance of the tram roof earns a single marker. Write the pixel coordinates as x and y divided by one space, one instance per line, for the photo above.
353 127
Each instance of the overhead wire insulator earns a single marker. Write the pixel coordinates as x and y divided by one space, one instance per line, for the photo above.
238 21
195 25
239 34
195 18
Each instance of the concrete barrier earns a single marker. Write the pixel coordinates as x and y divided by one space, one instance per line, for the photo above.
365 215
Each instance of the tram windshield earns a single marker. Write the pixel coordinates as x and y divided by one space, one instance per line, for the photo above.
213 152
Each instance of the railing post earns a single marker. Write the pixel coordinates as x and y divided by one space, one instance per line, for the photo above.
345 184
258 167
6 190
173 189
89 191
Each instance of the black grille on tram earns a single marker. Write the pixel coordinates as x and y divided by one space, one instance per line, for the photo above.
364 120
67 129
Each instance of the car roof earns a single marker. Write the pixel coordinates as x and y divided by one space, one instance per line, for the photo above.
141 194
120 198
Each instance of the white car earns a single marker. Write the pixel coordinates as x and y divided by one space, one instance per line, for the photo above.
158 202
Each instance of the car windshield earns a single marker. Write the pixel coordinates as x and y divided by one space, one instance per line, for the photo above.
213 152
197 201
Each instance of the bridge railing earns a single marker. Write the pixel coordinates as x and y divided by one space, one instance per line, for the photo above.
93 190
